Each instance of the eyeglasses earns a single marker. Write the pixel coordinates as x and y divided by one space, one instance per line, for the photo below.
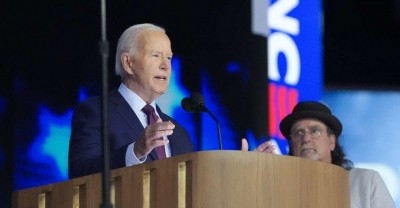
301 133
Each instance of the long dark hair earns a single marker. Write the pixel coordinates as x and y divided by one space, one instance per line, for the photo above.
339 157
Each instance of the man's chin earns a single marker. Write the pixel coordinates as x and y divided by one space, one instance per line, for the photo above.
158 89
309 154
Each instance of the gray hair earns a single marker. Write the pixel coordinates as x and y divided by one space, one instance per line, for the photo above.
128 43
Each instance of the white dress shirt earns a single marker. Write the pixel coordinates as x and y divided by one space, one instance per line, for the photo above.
137 103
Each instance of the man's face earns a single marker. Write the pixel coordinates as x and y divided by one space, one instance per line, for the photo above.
310 139
149 69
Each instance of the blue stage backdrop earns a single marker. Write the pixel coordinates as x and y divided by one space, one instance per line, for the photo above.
294 31
215 53
370 130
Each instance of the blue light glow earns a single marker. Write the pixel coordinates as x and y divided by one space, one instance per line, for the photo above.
233 67
209 132
51 145
2 105
82 94
170 102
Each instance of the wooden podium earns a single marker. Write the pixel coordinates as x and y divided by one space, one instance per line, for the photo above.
204 180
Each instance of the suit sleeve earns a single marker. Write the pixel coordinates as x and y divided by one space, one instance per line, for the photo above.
85 149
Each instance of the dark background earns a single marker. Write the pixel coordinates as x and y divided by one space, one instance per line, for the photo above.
49 48
362 43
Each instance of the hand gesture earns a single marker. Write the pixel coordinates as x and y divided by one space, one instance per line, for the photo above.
150 138
266 147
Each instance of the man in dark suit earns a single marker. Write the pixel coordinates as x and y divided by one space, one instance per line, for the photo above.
143 60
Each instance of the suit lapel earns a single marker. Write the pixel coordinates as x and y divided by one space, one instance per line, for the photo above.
126 112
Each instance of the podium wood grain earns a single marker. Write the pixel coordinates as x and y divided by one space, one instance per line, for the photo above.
204 180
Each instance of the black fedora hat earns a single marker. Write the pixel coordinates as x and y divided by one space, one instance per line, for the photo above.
310 109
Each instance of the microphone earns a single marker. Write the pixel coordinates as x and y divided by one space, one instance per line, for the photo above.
195 104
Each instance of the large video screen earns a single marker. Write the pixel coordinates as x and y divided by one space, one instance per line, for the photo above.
215 53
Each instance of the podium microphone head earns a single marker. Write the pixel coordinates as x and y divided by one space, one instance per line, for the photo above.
187 104
196 104
197 99
193 104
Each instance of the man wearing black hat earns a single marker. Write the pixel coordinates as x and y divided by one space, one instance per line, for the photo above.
323 129
313 132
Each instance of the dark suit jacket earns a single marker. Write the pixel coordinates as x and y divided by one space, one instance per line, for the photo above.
85 148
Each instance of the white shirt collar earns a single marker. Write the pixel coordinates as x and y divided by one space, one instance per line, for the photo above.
134 100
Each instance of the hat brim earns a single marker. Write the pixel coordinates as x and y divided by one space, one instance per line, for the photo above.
328 119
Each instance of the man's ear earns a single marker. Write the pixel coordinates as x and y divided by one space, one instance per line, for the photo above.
127 63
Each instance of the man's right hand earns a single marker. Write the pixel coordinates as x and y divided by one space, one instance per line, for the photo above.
266 147
149 139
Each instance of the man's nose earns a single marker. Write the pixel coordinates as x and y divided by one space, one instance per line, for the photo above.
307 137
165 64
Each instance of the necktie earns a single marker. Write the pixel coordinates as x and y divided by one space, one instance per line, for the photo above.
151 119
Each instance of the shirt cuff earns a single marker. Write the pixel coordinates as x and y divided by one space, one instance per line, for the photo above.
130 157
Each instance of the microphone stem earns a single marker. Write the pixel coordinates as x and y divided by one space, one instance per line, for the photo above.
218 126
